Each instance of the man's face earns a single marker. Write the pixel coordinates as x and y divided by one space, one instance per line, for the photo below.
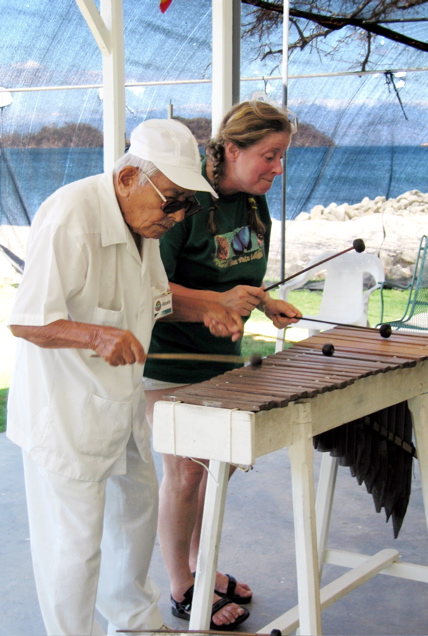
141 204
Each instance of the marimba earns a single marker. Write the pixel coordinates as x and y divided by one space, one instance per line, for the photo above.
294 395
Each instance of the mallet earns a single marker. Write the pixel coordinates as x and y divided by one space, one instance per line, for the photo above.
385 330
211 632
357 245
254 359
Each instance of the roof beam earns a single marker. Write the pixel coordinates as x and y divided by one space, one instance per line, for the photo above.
96 24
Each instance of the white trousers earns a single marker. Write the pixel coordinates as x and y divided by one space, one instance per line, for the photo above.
91 545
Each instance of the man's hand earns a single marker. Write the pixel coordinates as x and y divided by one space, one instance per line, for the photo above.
223 322
117 346
242 298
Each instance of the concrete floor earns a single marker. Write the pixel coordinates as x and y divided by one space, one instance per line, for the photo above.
257 547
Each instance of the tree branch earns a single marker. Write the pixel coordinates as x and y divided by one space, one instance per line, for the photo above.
334 23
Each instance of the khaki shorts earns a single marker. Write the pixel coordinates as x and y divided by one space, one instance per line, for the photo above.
150 384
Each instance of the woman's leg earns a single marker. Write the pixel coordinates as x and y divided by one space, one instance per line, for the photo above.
179 512
178 508
222 581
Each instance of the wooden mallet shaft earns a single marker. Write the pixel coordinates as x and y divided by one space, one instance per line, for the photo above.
357 245
200 357
385 330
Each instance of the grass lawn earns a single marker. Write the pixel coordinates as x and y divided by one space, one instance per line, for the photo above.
309 302
260 332
7 347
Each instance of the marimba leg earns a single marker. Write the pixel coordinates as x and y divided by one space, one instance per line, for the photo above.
419 409
301 455
212 523
324 503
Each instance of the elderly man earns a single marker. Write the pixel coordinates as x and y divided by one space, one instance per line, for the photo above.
84 312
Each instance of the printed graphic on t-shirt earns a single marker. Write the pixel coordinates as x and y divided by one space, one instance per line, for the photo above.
240 246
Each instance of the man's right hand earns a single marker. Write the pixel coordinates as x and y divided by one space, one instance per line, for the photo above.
117 346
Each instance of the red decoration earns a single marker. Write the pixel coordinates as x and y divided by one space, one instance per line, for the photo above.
164 4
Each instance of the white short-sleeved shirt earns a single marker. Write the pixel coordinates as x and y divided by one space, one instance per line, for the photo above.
70 411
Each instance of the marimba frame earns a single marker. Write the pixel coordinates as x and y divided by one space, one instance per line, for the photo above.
227 436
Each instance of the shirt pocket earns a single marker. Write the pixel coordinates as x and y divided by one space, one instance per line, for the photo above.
105 428
109 317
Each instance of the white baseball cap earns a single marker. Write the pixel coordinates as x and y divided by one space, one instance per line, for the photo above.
173 149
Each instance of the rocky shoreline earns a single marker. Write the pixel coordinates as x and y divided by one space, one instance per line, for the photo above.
390 228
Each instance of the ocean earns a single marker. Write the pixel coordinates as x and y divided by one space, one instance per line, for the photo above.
314 176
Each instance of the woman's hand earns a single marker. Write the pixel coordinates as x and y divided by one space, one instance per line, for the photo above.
281 313
242 298
223 321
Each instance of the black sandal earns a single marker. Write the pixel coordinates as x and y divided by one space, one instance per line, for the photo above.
230 592
182 609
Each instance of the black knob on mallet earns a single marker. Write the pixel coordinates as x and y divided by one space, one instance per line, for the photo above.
255 360
359 246
385 330
328 349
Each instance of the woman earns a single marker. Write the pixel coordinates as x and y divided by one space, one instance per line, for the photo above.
220 253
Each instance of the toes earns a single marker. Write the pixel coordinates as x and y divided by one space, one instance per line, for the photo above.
228 614
242 589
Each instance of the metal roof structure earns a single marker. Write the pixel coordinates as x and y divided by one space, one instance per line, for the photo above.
78 67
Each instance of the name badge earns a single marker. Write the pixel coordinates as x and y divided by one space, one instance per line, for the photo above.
162 305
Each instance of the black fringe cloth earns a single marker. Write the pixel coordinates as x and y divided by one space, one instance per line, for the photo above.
379 451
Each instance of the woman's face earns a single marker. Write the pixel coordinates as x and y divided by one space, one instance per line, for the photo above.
253 169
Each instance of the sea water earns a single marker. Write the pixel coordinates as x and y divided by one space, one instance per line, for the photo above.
313 176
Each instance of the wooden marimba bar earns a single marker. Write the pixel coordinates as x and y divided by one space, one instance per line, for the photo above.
294 395
303 371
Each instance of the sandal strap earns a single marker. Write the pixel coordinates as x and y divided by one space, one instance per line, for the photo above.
219 604
231 585
186 604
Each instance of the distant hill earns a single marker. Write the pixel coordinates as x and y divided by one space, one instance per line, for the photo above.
73 135
307 135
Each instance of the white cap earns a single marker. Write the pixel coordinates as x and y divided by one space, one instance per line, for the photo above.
171 146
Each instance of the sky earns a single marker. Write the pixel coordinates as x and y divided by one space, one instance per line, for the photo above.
47 43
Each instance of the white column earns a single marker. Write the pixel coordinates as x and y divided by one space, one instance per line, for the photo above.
114 84
226 35
107 29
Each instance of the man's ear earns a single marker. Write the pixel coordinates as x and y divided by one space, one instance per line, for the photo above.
231 151
126 178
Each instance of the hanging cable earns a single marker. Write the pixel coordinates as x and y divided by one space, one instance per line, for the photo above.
391 82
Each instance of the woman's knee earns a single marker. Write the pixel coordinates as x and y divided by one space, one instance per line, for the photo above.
182 473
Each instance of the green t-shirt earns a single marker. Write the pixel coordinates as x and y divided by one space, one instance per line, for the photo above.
196 259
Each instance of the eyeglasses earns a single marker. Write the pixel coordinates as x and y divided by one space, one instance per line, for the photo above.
190 205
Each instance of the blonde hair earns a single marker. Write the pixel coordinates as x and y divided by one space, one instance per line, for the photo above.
244 125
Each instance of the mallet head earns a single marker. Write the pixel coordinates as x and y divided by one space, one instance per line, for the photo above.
359 245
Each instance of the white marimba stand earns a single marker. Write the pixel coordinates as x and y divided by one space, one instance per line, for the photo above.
228 436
